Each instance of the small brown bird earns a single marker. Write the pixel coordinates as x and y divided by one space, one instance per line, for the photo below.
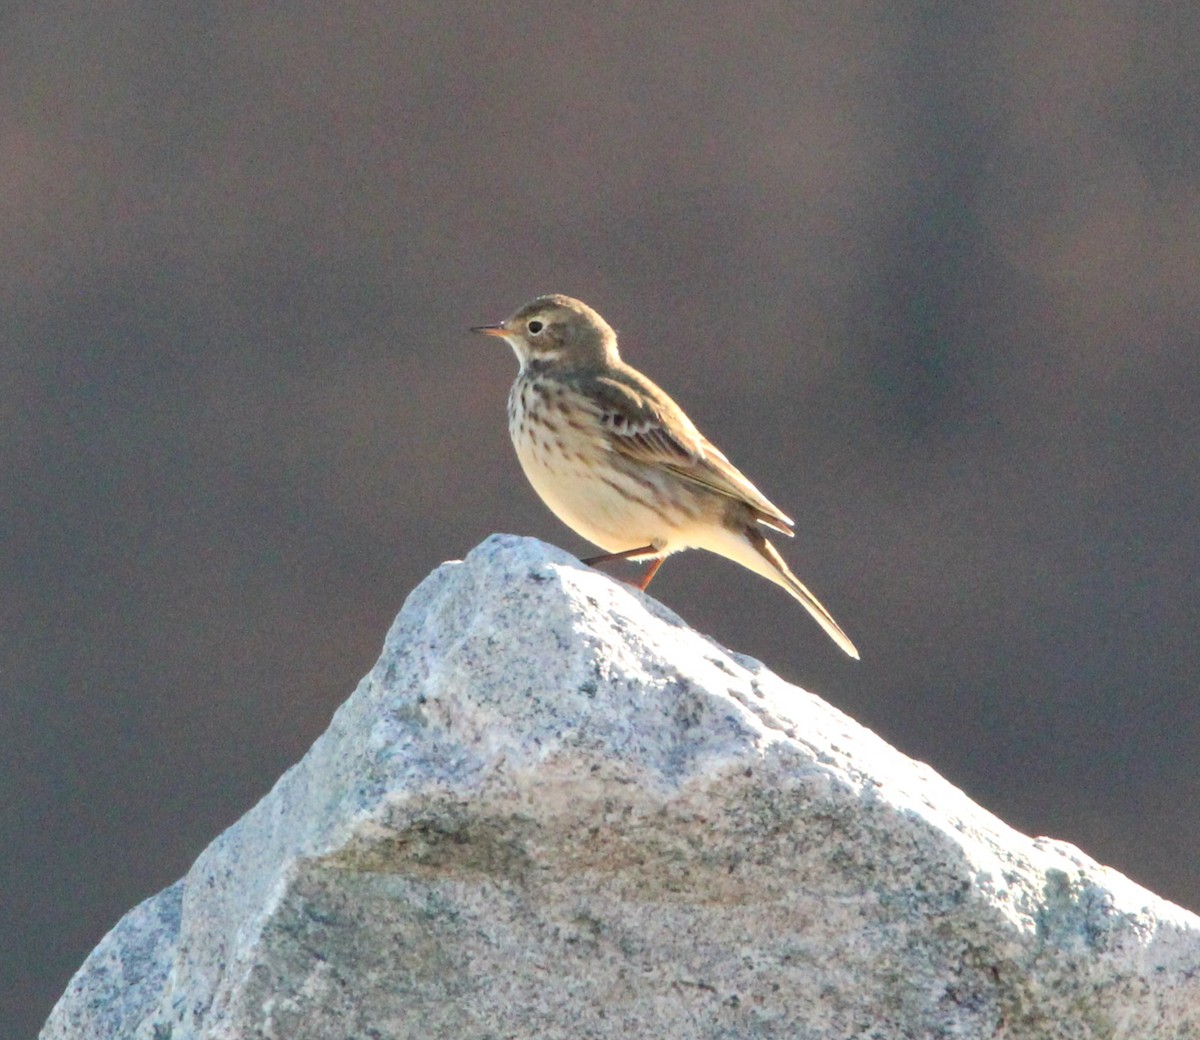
617 460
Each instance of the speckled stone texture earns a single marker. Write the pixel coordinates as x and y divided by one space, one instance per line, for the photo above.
552 810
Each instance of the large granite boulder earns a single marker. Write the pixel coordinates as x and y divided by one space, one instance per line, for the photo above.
553 810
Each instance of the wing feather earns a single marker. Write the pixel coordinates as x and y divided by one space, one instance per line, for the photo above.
645 425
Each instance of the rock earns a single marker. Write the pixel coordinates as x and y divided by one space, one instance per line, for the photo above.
552 810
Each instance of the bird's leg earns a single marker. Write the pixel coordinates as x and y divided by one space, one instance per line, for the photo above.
646 578
650 572
625 554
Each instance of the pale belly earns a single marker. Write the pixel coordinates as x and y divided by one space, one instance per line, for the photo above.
581 494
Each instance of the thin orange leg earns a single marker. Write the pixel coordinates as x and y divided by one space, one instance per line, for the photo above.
646 578
650 572
645 550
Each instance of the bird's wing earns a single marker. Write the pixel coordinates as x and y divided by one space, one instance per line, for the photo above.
644 424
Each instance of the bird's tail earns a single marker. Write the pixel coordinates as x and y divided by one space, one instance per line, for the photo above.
753 551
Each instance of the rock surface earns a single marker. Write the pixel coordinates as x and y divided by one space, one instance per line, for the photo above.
552 810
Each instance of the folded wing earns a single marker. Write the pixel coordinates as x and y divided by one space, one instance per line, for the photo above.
644 425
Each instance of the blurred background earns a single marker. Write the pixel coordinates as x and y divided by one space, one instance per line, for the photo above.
929 274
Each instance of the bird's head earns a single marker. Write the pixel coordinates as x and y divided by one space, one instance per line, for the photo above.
554 331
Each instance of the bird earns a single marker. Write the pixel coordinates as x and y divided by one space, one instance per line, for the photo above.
620 463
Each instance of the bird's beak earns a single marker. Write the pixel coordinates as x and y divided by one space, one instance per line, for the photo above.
490 330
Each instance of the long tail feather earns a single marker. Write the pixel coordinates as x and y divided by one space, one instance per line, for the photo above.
798 589
753 551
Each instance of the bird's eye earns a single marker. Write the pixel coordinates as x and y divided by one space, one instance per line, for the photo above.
535 327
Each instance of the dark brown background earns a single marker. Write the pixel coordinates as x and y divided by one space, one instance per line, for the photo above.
931 277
